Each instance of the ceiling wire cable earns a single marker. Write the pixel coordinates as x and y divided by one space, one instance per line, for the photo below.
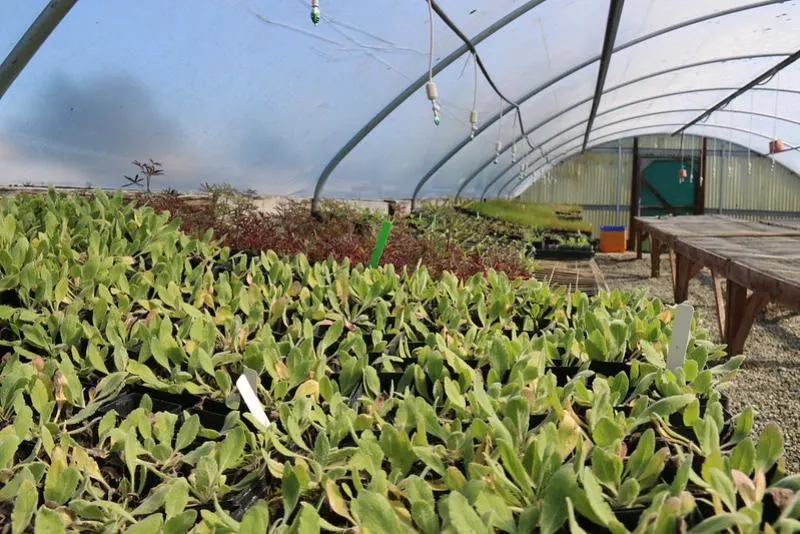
442 15
514 142
775 121
430 88
498 145
473 115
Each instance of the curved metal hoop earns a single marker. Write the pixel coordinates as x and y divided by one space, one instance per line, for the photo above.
579 67
651 114
615 88
488 32
627 132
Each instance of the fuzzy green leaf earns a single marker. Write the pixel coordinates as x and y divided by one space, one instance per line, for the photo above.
606 432
666 407
743 457
148 525
231 449
290 486
49 522
256 519
425 517
188 432
8 448
181 523
769 448
628 493
24 506
375 514
307 522
554 511
176 498
462 517
721 523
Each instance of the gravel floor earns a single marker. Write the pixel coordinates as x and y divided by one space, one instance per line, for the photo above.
770 376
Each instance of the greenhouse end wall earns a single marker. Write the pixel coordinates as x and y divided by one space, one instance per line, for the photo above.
600 180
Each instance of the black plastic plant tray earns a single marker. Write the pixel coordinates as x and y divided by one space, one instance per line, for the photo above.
564 254
211 413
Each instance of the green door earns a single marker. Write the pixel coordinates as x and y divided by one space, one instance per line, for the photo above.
662 192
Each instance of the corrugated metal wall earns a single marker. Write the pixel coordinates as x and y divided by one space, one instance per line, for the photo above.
600 180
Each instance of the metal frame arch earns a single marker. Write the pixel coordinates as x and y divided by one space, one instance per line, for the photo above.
610 138
410 90
662 112
579 67
628 132
611 89
613 123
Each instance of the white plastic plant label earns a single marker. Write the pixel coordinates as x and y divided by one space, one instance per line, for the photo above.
681 326
248 393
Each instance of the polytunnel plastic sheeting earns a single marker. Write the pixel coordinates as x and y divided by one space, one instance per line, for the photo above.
562 125
731 129
633 74
516 187
767 29
247 92
526 51
251 93
536 111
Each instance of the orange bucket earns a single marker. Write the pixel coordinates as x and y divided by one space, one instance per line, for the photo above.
612 239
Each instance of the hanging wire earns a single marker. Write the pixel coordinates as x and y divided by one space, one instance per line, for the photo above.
498 145
473 115
514 143
777 94
430 87
683 166
775 121
432 41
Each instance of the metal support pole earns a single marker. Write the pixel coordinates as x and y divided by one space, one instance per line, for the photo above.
722 177
26 47
619 181
635 200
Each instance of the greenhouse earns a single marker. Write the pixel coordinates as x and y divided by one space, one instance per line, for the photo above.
301 266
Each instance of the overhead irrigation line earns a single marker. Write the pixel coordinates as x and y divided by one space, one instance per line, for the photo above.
471 47
763 78
410 90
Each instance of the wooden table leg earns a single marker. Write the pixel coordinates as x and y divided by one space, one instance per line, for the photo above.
720 301
672 267
639 238
740 313
685 269
655 257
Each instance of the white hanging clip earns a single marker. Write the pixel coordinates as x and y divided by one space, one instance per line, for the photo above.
498 147
473 121
433 96
514 152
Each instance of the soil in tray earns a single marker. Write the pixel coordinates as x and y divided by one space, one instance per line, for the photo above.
211 413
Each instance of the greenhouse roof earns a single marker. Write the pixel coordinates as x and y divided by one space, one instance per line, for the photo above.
253 93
